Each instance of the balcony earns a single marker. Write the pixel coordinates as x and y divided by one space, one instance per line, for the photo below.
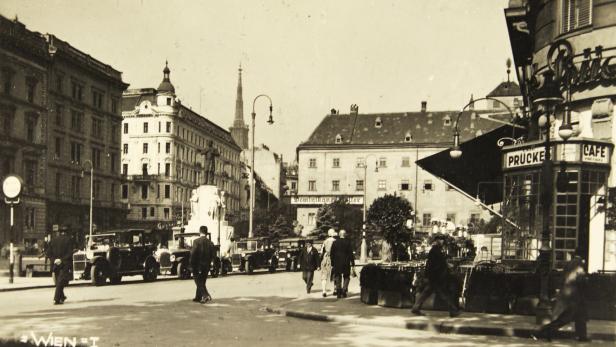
143 178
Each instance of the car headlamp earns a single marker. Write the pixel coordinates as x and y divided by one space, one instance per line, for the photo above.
172 258
243 255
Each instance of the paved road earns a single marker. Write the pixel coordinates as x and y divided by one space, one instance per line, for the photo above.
162 314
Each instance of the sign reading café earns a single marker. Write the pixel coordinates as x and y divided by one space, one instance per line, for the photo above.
573 151
325 199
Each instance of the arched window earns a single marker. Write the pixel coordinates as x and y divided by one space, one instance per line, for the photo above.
378 123
338 138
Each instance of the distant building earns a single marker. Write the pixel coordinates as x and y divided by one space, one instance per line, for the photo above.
355 155
290 179
59 116
168 150
268 165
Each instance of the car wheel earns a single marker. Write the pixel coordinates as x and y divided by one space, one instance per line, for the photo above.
289 265
151 272
182 271
97 275
249 267
115 279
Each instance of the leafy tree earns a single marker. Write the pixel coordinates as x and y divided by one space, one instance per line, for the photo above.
388 215
281 228
338 215
326 219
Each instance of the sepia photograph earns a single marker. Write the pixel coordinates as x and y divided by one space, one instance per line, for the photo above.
352 173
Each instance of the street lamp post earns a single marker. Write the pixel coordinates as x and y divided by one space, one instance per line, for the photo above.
91 198
11 188
456 152
549 96
363 256
252 160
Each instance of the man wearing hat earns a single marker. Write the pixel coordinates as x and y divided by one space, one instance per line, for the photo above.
201 256
437 274
570 301
60 252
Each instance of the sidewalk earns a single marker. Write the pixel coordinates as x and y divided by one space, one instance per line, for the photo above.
352 311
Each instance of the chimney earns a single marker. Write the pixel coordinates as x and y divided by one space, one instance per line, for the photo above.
354 110
424 106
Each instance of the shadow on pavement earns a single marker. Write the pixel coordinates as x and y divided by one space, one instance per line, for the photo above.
232 321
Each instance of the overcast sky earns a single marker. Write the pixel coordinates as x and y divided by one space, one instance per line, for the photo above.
309 56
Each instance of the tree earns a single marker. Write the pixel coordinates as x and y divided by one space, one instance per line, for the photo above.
388 215
281 228
338 215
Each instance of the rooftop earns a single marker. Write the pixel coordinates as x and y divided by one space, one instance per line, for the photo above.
404 128
506 89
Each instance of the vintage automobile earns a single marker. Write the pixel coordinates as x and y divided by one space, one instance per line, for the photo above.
254 253
288 252
125 252
179 250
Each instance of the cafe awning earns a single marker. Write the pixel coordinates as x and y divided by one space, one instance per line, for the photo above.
481 161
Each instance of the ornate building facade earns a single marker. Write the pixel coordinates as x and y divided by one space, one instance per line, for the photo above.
60 120
168 150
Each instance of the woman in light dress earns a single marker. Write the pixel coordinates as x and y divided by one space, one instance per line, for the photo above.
326 261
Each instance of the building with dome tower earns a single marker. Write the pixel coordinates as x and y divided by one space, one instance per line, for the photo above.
168 150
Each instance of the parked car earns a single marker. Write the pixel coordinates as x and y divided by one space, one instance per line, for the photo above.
254 253
179 259
288 252
116 254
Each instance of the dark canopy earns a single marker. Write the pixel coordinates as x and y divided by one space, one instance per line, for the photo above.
481 161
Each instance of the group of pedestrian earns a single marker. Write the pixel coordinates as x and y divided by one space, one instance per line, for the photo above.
336 261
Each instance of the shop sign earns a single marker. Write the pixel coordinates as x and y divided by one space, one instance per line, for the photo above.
524 157
325 199
594 67
595 153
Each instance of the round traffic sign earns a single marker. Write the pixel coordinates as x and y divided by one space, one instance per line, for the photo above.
11 187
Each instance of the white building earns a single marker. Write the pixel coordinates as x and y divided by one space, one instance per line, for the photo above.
355 155
168 150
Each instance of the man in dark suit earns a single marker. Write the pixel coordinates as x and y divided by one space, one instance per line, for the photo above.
437 274
60 252
342 261
201 256
309 260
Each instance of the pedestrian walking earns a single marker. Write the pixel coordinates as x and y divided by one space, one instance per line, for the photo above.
437 275
570 301
60 253
326 261
308 261
342 262
201 256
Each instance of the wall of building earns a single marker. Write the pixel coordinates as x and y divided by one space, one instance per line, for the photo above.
175 159
399 175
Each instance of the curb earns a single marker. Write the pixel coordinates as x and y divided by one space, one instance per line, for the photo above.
441 326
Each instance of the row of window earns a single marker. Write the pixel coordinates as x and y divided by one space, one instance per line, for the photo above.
8 84
146 127
76 151
7 119
146 147
77 88
381 185
76 184
360 162
77 121
426 220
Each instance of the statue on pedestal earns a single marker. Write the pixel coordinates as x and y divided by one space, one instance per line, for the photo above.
210 163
